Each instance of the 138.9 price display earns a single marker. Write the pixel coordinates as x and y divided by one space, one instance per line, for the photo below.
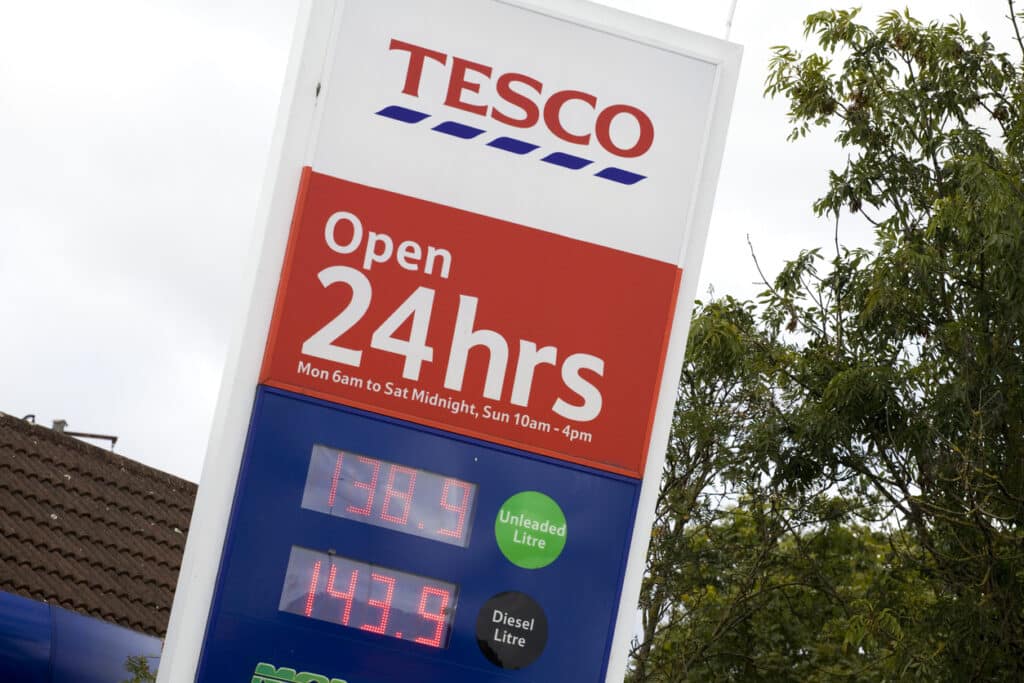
369 597
386 494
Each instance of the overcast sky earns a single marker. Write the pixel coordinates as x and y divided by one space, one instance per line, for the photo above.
133 141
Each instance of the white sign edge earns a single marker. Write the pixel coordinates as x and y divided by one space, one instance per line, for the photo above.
294 126
297 121
725 57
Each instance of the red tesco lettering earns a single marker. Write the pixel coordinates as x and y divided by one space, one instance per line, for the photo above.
523 96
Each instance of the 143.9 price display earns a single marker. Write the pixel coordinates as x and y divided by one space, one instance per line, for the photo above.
369 597
389 495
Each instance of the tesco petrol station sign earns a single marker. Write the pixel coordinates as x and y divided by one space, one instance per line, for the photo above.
437 451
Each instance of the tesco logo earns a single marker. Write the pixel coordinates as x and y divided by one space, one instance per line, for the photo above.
523 101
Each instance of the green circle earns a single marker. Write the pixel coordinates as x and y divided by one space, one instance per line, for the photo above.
531 530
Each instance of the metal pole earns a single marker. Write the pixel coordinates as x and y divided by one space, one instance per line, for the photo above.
728 22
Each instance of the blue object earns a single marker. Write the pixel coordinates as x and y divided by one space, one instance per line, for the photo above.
458 130
619 175
41 643
578 592
403 114
512 145
567 160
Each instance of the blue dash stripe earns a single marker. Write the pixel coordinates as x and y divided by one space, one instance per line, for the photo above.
458 130
566 160
620 176
402 114
512 145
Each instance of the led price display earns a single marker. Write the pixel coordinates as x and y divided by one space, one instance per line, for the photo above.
389 495
369 597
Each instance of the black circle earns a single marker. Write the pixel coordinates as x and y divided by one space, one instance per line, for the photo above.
511 630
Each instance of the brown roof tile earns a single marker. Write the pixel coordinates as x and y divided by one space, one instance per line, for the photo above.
89 530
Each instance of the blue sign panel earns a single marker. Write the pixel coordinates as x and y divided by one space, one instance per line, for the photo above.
370 550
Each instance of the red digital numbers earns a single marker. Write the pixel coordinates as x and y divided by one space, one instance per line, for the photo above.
439 617
311 596
460 509
333 495
369 486
348 596
390 495
370 598
384 605
405 496
367 597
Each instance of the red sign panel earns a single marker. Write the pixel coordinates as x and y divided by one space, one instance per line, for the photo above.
472 324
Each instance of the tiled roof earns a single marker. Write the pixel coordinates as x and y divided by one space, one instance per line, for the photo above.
88 530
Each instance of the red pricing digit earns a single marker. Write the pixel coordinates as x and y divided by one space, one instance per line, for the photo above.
370 487
311 596
439 617
334 481
347 596
385 604
404 496
460 508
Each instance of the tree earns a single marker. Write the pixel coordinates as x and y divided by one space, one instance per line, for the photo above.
717 411
886 384
810 606
746 580
138 668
